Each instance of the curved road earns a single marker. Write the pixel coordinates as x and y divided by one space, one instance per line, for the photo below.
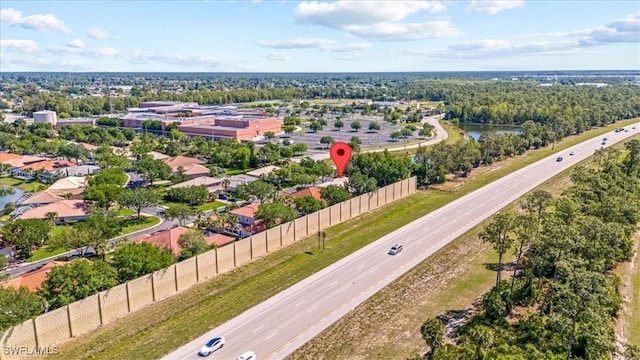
276 327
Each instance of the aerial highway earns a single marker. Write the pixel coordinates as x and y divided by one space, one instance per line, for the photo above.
276 327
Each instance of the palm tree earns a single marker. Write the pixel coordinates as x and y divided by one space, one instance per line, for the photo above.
51 217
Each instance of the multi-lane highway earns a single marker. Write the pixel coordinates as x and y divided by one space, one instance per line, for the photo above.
276 327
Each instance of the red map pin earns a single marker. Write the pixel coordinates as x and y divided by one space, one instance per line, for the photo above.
340 154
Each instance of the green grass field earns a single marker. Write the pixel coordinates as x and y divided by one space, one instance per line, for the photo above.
28 186
187 315
135 224
44 253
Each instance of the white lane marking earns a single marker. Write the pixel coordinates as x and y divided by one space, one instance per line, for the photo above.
300 303
257 329
313 308
270 336
333 283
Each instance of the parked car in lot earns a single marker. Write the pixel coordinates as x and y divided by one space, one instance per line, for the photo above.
249 355
395 249
214 344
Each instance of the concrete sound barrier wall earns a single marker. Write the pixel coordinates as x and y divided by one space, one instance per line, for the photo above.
243 251
85 315
20 335
207 265
53 327
288 234
259 242
140 292
274 238
114 303
186 273
226 258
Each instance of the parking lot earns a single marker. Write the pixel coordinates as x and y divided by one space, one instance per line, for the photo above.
368 138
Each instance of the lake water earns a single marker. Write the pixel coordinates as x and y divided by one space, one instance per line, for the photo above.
9 194
475 130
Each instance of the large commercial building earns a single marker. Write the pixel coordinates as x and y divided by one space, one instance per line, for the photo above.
215 122
45 117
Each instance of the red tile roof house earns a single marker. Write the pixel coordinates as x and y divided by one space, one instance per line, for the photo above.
248 224
12 161
308 191
66 210
32 280
169 239
187 165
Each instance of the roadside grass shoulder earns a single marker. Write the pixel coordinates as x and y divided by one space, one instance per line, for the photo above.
183 317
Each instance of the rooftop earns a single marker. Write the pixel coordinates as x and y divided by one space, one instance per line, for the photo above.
246 211
34 279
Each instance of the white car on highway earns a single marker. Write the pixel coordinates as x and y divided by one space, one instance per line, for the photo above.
214 344
249 355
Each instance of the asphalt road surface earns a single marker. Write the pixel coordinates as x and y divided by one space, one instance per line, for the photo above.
276 327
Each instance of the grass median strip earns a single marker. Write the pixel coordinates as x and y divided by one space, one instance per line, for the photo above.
160 328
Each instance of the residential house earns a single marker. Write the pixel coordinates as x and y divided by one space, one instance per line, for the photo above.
32 280
246 215
245 223
71 182
183 165
236 180
339 181
49 196
81 170
308 191
46 170
12 161
263 171
211 183
169 239
66 210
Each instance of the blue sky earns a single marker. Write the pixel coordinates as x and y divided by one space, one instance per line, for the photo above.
318 36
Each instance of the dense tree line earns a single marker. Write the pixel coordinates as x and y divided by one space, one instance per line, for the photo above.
562 297
567 110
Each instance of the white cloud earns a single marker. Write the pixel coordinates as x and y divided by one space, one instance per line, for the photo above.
25 46
313 43
493 6
279 56
622 30
13 17
76 43
142 57
402 31
81 50
376 19
98 33
625 30
100 52
343 13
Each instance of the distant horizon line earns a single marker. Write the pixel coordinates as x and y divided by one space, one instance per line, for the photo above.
319 72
